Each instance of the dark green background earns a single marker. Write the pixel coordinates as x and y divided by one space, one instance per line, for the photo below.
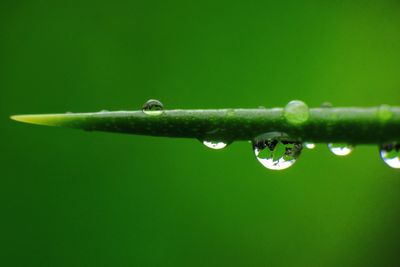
73 198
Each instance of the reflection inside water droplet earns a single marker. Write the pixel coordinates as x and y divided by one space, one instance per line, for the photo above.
340 149
153 107
390 153
215 144
309 145
276 151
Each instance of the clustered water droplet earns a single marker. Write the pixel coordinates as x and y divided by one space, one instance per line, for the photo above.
276 151
340 149
215 144
390 154
153 107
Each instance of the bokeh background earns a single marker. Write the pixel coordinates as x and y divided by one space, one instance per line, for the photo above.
73 198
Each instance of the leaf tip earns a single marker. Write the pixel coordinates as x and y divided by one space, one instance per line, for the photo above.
32 119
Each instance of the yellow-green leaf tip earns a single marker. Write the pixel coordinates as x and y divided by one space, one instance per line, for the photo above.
49 120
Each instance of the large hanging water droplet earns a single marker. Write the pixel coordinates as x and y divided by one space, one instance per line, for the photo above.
153 107
215 144
309 145
390 154
340 149
276 151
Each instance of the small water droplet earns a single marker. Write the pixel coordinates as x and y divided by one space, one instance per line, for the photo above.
230 112
68 112
296 112
215 144
340 149
153 107
276 151
385 113
103 111
390 153
326 105
309 145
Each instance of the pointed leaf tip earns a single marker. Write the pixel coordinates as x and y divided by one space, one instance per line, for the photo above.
35 119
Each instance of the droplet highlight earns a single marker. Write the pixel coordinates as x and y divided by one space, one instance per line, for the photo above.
390 153
340 149
215 144
309 145
276 151
153 107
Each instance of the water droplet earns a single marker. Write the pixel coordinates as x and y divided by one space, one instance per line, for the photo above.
230 112
153 107
103 111
390 153
326 105
309 145
385 113
215 144
340 149
296 112
276 151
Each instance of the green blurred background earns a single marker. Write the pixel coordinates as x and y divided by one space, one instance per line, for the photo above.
73 198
